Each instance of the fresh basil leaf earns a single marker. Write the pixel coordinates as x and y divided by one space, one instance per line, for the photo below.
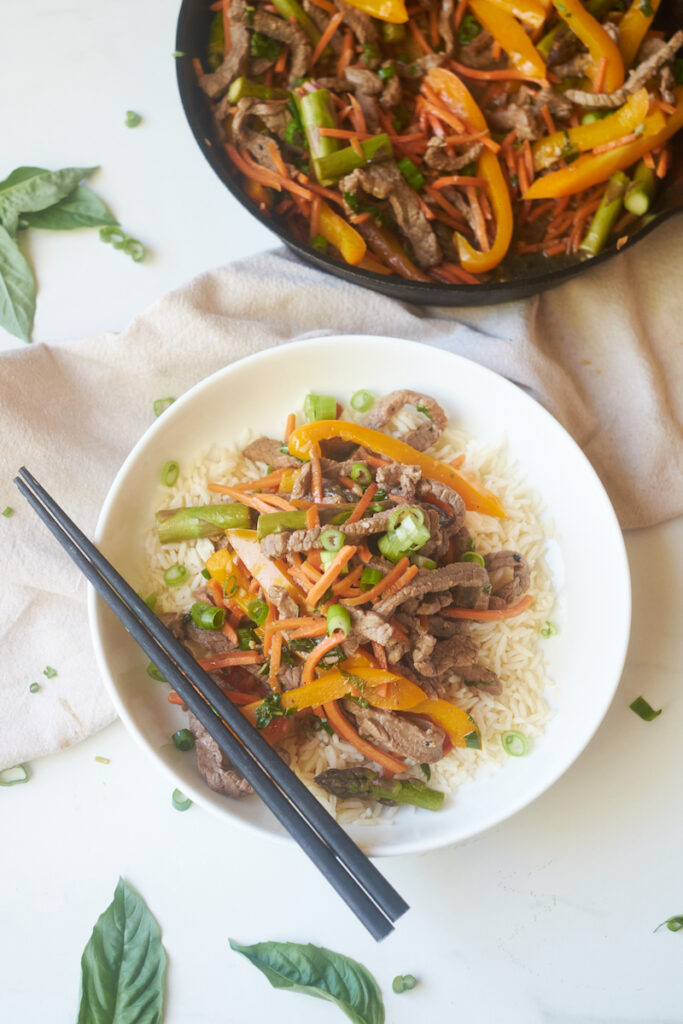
321 973
80 209
28 189
17 289
123 965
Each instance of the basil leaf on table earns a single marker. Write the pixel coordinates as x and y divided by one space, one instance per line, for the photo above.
28 189
80 209
17 289
123 965
321 973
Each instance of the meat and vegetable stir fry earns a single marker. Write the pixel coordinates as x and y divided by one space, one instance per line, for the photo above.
340 594
443 140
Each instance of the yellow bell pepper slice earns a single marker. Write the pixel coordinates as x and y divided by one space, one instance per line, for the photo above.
454 94
593 36
287 481
585 136
476 497
386 10
507 31
531 12
221 565
461 727
341 235
401 694
592 169
633 27
248 549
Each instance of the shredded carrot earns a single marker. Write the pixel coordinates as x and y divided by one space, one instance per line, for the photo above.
399 632
601 71
281 62
350 484
488 614
342 133
229 631
398 584
615 143
667 108
331 573
333 24
197 67
376 461
275 658
457 461
263 176
379 588
548 119
311 572
496 50
460 12
348 582
290 425
363 503
448 207
346 55
251 502
316 477
315 217
478 215
357 115
325 5
528 160
649 161
434 36
231 658
663 164
502 73
356 147
312 518
621 242
319 652
216 591
271 480
418 37
458 179
345 730
364 553
431 499
310 631
277 501
301 623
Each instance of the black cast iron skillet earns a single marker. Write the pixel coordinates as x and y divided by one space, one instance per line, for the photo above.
524 276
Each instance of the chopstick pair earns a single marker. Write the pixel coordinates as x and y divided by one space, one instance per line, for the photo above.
364 889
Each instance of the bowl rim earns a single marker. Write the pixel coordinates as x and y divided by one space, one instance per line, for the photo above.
409 845
486 293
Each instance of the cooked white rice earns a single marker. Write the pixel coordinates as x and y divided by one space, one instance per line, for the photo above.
511 648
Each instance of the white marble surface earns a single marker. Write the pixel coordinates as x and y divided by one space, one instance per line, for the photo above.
547 918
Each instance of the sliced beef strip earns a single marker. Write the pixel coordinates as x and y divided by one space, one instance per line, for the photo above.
523 119
236 61
366 626
433 603
302 484
667 84
565 44
265 449
399 734
556 102
446 8
638 77
202 643
512 590
453 654
482 678
362 26
276 545
256 142
576 67
439 159
289 676
444 628
421 66
398 478
385 181
214 766
423 436
478 53
287 608
321 20
446 494
392 93
430 581
293 36
367 86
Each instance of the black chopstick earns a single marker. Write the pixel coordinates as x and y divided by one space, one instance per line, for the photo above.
347 868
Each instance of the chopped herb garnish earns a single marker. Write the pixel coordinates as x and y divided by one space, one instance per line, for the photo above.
132 119
548 629
426 771
175 575
206 574
34 687
162 404
230 587
469 29
644 710
674 924
49 672
8 779
180 801
386 73
320 243
264 46
424 410
154 673
403 983
416 181
7 512
646 8
270 708
370 52
103 760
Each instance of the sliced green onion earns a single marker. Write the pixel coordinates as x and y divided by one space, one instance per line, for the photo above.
473 556
380 495
340 518
169 474
132 119
180 801
386 73
150 601
370 577
320 407
548 629
49 672
674 924
514 743
319 242
245 637
257 612
410 173
391 547
161 405
135 249
175 575
422 562
473 739
403 983
644 710
332 540
34 687
264 46
207 616
399 514
183 739
360 474
230 587
362 400
410 534
12 781
103 760
113 234
154 673
206 574
8 511
338 617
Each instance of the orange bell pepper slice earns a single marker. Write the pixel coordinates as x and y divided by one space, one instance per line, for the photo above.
455 95
584 137
592 35
248 550
341 235
633 27
531 12
477 498
591 170
461 727
507 31
386 10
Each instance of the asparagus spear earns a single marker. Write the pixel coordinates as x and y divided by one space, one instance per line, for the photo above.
349 783
289 9
242 87
317 112
278 522
605 215
640 192
176 524
343 161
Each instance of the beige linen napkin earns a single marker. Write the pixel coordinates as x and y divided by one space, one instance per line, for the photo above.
603 354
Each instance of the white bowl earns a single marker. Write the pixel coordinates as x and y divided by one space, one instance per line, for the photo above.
588 561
